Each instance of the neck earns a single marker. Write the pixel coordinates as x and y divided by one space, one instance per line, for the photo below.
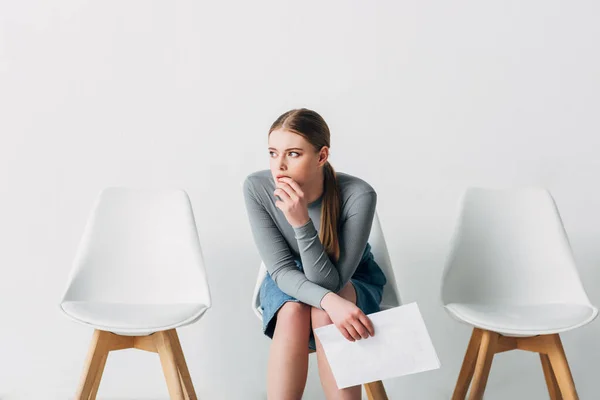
316 188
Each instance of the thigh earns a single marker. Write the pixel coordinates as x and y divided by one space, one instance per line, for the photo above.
293 317
319 318
348 292
368 296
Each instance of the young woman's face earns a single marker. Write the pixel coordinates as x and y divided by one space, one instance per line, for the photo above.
293 156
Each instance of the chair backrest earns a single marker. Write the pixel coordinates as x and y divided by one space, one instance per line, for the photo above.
139 246
510 247
391 296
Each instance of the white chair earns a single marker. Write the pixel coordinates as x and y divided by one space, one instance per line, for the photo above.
391 298
511 275
137 276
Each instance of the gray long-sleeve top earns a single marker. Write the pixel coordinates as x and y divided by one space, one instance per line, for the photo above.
279 243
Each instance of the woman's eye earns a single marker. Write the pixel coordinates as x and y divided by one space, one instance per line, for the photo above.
271 153
294 152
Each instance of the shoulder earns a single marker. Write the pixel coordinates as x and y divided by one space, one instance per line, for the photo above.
258 182
356 194
257 179
352 186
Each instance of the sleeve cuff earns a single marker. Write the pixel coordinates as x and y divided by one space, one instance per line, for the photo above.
306 230
321 299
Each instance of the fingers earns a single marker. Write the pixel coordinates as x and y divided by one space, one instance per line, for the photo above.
366 321
293 184
283 194
284 198
351 328
362 325
288 190
345 333
360 328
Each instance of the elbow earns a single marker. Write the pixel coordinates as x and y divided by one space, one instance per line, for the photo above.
338 287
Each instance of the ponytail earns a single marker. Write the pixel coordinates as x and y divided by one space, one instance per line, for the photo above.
330 213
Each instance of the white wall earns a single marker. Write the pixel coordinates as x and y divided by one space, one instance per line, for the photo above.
423 99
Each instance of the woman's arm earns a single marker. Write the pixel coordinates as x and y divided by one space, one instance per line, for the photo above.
276 254
353 235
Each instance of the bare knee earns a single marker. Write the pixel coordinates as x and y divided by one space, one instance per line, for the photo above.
293 313
319 318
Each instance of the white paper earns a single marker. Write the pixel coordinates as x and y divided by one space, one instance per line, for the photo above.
401 346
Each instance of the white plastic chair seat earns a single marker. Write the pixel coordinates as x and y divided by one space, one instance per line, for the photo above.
523 320
139 267
133 319
511 269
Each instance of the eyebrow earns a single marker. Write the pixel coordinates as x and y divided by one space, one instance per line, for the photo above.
291 148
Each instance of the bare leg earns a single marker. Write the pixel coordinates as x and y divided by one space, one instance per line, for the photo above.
288 358
320 318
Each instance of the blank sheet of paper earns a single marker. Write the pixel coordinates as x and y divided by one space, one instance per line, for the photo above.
401 346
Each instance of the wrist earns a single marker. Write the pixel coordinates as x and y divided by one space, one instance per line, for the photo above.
301 223
327 300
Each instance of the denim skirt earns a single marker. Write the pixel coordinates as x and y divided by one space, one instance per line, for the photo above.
368 280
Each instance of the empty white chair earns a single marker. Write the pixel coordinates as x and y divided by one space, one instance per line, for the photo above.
511 275
137 276
390 298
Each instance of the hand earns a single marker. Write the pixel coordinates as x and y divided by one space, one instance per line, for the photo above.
292 203
347 317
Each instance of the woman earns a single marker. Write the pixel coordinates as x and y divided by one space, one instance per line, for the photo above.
311 227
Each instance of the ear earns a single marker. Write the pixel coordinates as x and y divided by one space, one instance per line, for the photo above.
323 155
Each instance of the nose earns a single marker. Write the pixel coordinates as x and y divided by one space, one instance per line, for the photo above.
282 166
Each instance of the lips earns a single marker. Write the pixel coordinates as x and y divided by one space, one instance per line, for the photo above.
281 176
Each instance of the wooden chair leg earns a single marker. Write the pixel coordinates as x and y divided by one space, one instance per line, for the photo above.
94 365
165 343
186 394
375 391
468 366
562 372
164 346
94 391
184 373
487 348
553 389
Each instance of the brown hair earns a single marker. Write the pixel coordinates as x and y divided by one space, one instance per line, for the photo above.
314 129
